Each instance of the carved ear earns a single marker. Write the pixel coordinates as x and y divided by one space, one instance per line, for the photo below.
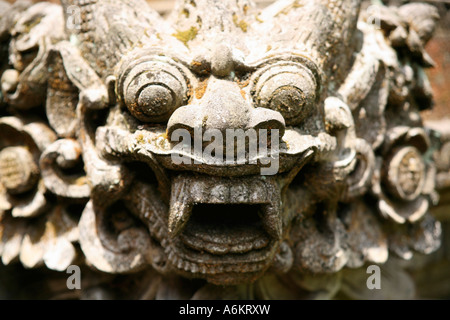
354 159
64 154
72 81
110 240
105 30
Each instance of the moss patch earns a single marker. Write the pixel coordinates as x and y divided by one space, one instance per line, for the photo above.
240 23
140 139
296 4
201 89
187 35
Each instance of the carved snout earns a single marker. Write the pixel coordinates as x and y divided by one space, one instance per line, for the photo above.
223 107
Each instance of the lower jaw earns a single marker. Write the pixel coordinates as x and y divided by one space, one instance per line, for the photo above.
227 279
221 270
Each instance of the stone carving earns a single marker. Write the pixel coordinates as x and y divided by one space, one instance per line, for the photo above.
93 92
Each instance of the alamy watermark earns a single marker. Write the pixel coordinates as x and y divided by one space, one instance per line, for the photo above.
73 18
74 281
234 147
374 280
373 13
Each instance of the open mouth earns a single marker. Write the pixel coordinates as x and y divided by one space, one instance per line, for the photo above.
224 226
224 222
224 229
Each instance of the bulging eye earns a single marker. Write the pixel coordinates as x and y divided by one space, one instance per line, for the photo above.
152 90
289 89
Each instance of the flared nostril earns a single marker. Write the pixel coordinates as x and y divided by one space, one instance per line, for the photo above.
184 118
262 118
192 118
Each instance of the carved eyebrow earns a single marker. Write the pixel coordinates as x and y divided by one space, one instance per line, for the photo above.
290 58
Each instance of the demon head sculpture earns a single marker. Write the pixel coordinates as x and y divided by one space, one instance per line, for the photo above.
138 111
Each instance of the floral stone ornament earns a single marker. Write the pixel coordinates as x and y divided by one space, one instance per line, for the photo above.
96 96
404 182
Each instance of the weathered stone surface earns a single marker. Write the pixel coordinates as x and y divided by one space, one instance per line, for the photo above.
94 92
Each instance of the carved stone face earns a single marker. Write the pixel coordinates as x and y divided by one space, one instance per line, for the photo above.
225 222
143 107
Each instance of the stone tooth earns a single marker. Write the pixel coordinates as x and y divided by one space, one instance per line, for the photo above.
171 256
180 208
194 268
180 264
187 266
179 216
272 222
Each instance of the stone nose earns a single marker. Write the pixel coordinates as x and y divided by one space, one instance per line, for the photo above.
223 106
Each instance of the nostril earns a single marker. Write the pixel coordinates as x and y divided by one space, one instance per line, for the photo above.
186 118
262 118
190 117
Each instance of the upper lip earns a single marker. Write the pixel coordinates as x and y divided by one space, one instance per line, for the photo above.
296 145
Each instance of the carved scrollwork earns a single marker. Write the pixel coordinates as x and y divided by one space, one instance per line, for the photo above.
21 145
32 228
403 180
120 248
64 155
36 27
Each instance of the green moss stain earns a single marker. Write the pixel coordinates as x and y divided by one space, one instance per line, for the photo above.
204 120
240 23
187 35
246 8
140 139
295 5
